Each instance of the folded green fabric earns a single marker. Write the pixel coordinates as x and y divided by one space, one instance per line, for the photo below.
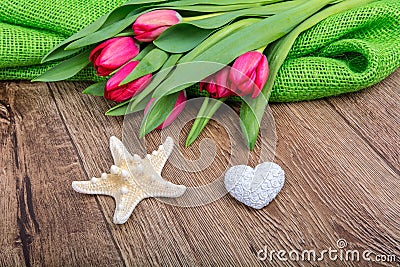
344 53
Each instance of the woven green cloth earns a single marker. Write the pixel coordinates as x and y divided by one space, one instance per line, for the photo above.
344 53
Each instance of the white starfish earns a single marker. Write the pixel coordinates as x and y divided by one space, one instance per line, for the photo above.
132 179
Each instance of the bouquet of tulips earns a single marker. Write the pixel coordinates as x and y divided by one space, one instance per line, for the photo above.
247 39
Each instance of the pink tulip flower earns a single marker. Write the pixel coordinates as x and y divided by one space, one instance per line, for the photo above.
178 108
118 93
149 26
249 74
112 54
216 85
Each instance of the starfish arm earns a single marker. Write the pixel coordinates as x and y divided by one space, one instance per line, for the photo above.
125 204
162 188
159 157
99 187
119 152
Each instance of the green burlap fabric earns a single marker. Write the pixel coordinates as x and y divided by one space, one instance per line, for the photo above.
344 53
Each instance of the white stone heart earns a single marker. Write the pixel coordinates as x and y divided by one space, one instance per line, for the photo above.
257 187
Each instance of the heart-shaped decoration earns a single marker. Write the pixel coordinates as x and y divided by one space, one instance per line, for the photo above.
257 187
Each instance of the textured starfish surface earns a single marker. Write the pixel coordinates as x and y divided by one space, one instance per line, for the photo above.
132 179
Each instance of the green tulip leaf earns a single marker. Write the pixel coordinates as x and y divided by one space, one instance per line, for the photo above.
137 2
96 89
207 110
219 2
124 108
140 106
226 18
150 63
157 79
118 110
157 113
145 51
214 8
184 37
217 37
185 75
65 69
59 53
181 38
104 21
101 35
251 113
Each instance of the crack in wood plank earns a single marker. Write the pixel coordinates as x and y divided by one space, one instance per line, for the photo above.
8 116
22 240
26 214
4 113
26 217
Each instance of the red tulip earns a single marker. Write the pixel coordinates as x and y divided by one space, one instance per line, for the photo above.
249 74
121 93
216 84
149 26
178 108
112 54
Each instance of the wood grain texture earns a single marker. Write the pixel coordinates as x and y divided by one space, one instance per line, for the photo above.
342 182
375 114
51 222
12 252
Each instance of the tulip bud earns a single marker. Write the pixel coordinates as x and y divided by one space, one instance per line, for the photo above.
178 108
112 54
149 26
121 93
249 74
216 85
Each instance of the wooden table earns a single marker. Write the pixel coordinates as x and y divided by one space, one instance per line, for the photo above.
340 155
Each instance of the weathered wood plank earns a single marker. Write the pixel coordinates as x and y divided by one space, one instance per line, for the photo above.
51 220
374 113
11 252
337 187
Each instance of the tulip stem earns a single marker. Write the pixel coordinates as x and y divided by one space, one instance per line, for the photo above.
262 49
189 19
157 79
207 110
